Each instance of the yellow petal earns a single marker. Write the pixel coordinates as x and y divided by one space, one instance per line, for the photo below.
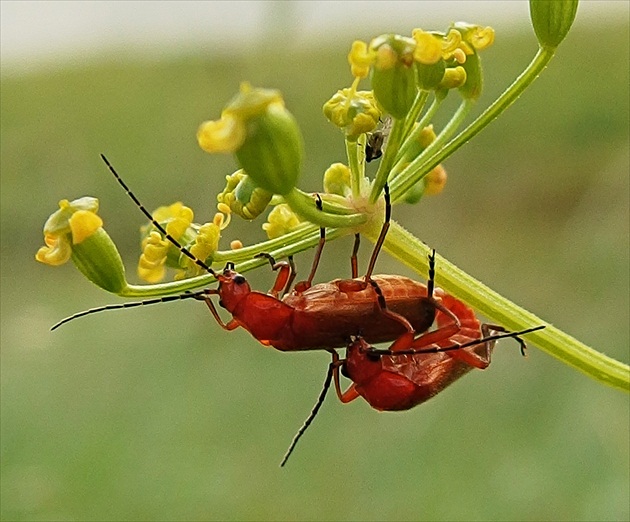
83 224
428 49
56 252
224 135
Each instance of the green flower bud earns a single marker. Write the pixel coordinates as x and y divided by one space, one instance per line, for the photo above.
75 231
430 76
394 74
552 20
337 179
262 133
471 89
415 193
432 184
98 259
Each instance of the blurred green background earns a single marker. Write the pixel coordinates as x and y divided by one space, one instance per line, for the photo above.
159 414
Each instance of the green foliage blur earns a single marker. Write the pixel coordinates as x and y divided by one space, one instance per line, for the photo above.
158 414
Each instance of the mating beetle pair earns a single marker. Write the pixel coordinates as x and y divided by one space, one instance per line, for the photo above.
353 313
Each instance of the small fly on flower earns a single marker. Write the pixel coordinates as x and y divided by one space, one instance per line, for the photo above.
377 140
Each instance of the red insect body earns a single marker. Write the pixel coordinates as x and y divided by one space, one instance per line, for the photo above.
400 382
325 315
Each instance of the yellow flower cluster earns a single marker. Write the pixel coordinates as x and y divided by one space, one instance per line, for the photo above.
353 111
430 47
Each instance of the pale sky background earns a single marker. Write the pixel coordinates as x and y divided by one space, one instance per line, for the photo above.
37 34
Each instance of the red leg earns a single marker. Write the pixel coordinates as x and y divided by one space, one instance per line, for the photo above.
230 325
285 277
351 393
382 235
354 264
304 285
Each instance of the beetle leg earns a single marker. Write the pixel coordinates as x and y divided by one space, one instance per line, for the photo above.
351 393
304 285
382 304
490 336
285 277
354 265
230 325
381 237
487 330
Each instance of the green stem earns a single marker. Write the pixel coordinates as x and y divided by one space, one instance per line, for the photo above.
245 253
531 72
419 167
387 161
330 216
356 170
410 138
412 252
416 109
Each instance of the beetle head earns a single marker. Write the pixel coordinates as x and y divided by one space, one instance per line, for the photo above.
232 288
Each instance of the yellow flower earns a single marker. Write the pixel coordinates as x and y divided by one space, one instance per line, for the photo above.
361 59
435 181
157 251
242 197
224 135
56 252
72 224
153 258
76 231
353 111
337 179
428 47
281 221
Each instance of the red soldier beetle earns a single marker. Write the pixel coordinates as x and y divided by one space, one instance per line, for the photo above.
395 380
400 378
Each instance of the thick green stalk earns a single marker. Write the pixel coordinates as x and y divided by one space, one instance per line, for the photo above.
356 166
412 252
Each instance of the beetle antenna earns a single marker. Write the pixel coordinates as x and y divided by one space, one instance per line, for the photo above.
170 238
166 299
311 416
382 235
